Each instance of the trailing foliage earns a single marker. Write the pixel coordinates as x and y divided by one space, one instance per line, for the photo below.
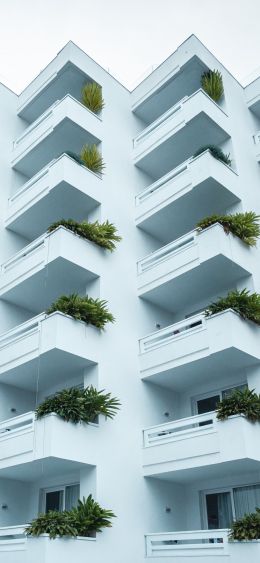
245 304
103 234
244 401
91 311
92 159
216 152
212 83
246 528
88 517
79 405
91 97
243 225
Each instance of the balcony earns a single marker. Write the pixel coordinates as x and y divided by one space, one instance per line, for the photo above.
211 546
26 443
46 350
201 447
174 204
257 145
55 263
17 548
252 93
197 349
197 259
177 134
63 189
65 126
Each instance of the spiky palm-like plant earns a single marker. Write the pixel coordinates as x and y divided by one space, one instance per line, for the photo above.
243 225
103 234
91 97
216 152
246 528
91 311
92 158
212 83
79 405
244 401
245 304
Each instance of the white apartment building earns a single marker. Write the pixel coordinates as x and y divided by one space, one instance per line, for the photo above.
174 475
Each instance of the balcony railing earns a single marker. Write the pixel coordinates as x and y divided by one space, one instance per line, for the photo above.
163 181
30 327
166 252
178 429
17 425
170 333
198 543
145 133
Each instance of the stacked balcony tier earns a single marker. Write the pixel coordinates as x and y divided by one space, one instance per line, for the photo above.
198 349
175 136
46 350
197 259
64 189
174 204
56 263
65 126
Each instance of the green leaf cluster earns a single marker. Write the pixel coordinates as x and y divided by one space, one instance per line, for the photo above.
91 97
245 304
103 234
216 152
243 225
91 311
212 83
92 159
79 405
244 401
84 520
247 527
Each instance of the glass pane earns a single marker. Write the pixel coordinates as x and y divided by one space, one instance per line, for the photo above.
246 499
228 392
54 501
71 496
219 510
208 404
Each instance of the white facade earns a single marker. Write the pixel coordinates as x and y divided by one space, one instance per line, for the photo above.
159 465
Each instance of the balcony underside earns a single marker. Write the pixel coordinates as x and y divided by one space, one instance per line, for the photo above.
49 467
203 370
66 136
226 470
171 220
205 279
181 145
37 292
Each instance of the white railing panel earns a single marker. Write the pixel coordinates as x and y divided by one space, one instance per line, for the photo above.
16 425
36 246
166 252
172 332
25 329
162 182
148 130
178 429
192 544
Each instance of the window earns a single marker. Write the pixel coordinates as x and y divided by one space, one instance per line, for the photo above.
220 508
59 498
208 402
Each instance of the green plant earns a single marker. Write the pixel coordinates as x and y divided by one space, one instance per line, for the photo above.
245 304
84 520
216 152
79 405
91 97
244 401
247 527
243 225
212 83
89 517
92 159
103 234
91 311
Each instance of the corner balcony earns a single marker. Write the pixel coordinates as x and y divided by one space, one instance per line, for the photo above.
197 260
176 135
56 263
47 349
176 202
65 126
209 546
197 349
201 446
15 547
63 189
26 443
